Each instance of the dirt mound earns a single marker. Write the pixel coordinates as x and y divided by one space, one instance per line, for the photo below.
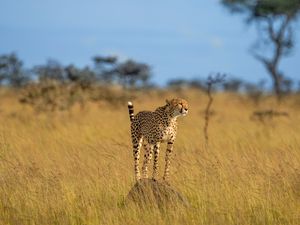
148 192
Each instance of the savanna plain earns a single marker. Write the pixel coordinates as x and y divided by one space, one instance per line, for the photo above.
76 167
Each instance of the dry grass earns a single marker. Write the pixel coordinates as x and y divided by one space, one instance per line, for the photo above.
77 167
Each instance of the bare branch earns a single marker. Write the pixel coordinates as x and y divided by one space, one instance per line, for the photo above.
211 80
271 30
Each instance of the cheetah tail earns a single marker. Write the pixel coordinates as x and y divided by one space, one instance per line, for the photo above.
130 110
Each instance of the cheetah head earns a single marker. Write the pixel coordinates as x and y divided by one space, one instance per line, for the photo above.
177 107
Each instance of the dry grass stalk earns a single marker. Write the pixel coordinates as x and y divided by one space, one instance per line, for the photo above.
211 81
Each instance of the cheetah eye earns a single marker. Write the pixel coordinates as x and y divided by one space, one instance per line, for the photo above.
185 108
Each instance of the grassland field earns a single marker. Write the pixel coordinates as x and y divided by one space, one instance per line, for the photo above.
76 167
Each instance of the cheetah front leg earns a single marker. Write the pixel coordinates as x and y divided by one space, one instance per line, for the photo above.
148 155
137 143
168 160
155 165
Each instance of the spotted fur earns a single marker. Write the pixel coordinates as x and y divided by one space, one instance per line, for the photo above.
151 129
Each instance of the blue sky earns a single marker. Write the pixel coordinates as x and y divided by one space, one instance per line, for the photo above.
179 39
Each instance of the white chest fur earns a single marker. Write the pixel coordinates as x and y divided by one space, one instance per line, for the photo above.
169 132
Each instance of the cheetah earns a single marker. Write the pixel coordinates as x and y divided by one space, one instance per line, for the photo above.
151 129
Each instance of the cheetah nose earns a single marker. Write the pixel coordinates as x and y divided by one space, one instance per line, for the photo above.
184 112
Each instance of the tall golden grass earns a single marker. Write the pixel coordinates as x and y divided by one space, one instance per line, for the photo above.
77 167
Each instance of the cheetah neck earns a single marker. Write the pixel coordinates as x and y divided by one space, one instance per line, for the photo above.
167 115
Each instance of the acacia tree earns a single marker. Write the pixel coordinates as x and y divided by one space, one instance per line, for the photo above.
12 71
52 70
131 72
274 19
105 67
85 77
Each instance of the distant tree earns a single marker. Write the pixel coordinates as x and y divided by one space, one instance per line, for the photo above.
287 86
11 71
131 73
105 67
232 85
254 91
274 19
183 83
178 83
107 59
199 84
52 70
83 77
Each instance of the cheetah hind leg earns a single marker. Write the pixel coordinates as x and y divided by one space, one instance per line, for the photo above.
137 143
155 165
147 158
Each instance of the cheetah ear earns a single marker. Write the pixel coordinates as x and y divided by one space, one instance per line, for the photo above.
168 102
